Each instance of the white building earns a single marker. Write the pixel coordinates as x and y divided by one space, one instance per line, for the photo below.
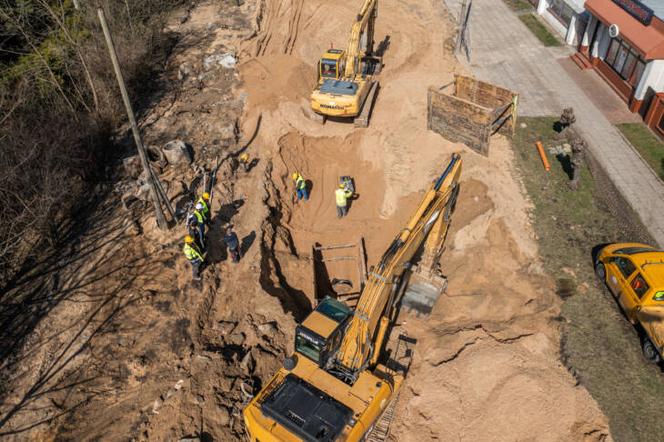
624 43
623 40
567 17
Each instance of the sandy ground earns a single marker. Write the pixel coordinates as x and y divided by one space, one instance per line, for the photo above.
486 365
167 358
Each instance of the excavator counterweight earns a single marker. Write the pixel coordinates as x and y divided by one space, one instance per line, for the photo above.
346 372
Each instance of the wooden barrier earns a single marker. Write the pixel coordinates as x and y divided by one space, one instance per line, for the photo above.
472 113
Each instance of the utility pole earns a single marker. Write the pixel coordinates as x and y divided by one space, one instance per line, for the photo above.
463 34
155 187
460 28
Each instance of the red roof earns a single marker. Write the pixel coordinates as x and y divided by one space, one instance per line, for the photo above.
648 40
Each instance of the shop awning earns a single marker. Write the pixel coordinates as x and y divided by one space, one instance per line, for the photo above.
647 40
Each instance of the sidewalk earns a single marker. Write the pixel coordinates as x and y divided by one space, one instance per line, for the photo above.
505 52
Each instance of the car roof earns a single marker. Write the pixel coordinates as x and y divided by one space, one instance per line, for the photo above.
652 265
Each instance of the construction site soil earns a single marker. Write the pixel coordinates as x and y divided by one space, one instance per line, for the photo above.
129 348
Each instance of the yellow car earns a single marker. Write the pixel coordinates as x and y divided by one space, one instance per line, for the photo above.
634 273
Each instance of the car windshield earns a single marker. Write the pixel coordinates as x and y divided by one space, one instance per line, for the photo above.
634 250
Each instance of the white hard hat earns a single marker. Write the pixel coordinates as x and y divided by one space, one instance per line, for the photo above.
199 206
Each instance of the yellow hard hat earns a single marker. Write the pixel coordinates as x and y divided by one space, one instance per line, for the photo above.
188 239
295 174
206 196
342 186
244 157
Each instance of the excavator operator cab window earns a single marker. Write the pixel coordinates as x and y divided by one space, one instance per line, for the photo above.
333 309
329 68
316 347
308 344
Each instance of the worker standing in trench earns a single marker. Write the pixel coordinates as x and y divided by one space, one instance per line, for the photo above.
194 242
233 243
196 225
195 230
300 186
245 163
194 255
204 204
342 194
199 218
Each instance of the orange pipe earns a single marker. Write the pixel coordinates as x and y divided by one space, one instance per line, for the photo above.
545 160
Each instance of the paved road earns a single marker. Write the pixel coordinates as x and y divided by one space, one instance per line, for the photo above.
505 52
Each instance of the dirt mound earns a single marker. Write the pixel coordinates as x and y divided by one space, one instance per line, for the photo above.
489 353
269 81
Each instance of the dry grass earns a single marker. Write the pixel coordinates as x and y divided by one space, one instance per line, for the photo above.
599 346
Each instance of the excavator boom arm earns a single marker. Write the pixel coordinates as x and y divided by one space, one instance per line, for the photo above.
363 24
358 343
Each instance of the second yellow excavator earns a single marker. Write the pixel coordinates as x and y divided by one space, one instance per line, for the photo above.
345 372
346 85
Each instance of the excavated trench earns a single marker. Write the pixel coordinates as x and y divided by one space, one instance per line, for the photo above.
276 240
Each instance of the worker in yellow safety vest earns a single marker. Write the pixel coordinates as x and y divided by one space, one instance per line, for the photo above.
300 186
194 255
342 194
204 202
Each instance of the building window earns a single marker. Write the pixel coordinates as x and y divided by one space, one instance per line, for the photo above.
638 72
562 11
625 61
613 51
661 123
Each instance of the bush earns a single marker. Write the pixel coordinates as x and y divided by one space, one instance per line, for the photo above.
58 100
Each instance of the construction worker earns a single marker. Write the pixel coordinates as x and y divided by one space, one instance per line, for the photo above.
300 186
195 230
342 194
204 202
244 161
233 243
194 255
197 222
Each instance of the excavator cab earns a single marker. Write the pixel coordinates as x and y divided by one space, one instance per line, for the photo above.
329 66
319 336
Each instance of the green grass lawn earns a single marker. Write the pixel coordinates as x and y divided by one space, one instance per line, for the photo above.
518 5
540 31
648 145
598 345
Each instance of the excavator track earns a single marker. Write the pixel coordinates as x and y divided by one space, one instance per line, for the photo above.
362 120
381 429
399 362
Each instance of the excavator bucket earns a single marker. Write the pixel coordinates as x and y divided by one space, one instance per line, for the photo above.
422 292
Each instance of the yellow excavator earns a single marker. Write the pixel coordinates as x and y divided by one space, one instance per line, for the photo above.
345 371
346 86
